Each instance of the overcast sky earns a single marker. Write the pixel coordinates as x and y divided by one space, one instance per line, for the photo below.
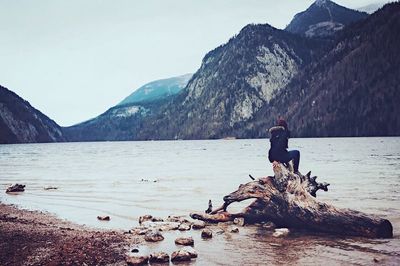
74 59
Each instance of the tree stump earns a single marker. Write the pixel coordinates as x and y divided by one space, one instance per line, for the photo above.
289 200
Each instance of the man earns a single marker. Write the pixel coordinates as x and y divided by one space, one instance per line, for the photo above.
279 144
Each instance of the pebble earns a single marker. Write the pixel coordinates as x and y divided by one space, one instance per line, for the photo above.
157 219
153 236
239 221
191 251
144 218
159 257
184 227
137 260
198 225
206 233
103 218
281 232
180 255
269 226
235 230
185 241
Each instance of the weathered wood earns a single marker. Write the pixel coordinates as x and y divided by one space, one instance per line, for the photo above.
289 200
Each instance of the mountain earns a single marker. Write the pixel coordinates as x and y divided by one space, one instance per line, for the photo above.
121 122
371 8
21 123
323 18
346 85
353 90
234 81
157 89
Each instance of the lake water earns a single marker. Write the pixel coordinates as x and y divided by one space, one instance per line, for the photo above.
127 179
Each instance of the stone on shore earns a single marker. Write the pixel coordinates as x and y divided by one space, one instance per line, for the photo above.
198 225
185 241
180 255
159 257
157 219
239 221
235 230
269 226
103 218
153 236
206 233
137 260
144 218
15 188
184 227
281 232
191 251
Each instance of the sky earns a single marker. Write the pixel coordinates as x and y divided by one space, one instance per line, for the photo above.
74 59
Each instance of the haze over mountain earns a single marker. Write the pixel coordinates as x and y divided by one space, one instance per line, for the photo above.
21 123
323 18
371 8
158 89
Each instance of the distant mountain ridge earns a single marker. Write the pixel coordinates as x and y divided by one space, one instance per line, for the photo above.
158 89
344 85
21 123
234 81
323 18
324 87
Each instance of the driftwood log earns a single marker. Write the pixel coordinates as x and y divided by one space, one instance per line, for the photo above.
289 200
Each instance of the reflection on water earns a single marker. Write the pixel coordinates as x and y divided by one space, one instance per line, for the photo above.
129 179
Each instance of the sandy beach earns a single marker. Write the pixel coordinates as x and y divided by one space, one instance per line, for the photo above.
37 238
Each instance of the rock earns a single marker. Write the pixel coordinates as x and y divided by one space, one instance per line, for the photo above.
157 219
225 224
239 221
180 255
184 227
206 233
159 257
198 225
145 218
176 219
191 251
281 232
168 226
153 236
140 230
275 245
137 260
269 226
103 218
375 260
16 188
235 230
50 188
186 241
135 250
220 231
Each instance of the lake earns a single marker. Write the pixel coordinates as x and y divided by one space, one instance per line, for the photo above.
127 179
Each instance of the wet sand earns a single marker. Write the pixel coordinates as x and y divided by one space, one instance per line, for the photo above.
37 238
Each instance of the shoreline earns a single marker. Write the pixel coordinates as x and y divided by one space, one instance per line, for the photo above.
40 238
